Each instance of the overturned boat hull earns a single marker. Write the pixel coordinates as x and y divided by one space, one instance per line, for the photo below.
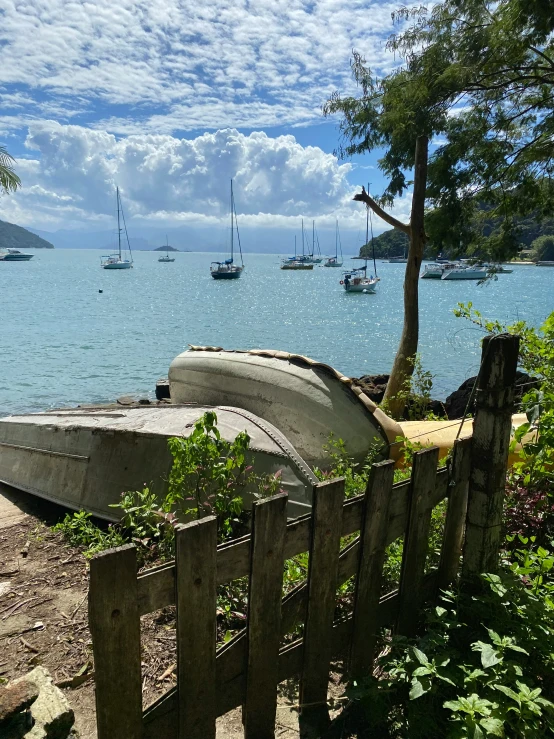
307 401
86 458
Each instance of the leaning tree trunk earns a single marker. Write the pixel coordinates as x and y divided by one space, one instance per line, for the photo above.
403 365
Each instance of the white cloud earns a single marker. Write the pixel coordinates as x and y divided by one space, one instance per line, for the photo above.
168 65
71 179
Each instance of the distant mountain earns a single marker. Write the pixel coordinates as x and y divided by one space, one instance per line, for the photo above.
17 237
166 248
203 239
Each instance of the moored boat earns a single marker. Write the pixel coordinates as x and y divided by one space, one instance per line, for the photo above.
167 258
87 457
335 261
14 255
465 272
228 270
117 261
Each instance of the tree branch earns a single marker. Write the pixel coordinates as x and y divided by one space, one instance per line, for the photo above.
363 197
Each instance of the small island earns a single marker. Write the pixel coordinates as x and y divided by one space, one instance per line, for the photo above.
166 248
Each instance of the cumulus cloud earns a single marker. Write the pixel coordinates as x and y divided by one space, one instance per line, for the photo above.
177 65
73 172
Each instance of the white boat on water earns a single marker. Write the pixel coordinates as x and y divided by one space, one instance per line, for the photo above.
465 272
167 258
306 400
117 261
335 261
14 255
85 458
453 271
356 280
228 270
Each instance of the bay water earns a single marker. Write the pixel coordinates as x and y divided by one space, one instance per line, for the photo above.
63 342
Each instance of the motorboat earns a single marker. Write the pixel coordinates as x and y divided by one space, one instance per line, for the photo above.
335 261
14 255
118 261
85 458
228 270
306 400
433 271
465 272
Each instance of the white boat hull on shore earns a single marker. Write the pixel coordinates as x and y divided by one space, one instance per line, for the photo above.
307 401
87 457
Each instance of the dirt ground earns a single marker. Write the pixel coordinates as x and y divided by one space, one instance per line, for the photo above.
43 619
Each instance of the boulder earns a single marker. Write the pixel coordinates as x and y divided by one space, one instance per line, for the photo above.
53 718
16 697
457 402
374 386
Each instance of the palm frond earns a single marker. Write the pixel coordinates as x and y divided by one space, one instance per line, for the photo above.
9 181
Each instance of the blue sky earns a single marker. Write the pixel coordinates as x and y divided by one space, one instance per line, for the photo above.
170 98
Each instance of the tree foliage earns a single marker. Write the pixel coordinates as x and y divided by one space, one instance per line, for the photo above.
543 248
497 158
9 181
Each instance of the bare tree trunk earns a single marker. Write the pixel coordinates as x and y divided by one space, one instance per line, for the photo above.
402 367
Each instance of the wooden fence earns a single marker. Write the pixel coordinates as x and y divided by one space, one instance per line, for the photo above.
247 670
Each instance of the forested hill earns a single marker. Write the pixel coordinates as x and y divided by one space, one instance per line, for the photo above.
17 237
392 243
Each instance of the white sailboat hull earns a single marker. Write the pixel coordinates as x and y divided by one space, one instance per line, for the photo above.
117 265
307 401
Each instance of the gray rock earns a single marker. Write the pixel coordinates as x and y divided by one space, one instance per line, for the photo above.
52 714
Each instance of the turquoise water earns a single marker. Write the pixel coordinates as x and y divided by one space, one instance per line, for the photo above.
62 342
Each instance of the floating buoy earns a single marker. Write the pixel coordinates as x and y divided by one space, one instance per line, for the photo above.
342 282
100 291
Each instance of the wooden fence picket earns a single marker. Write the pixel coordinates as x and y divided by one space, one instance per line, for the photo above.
195 557
454 524
115 628
324 550
370 568
416 539
269 520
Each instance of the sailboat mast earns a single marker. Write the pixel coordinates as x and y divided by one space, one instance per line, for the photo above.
232 225
313 238
337 239
367 227
295 245
302 237
118 223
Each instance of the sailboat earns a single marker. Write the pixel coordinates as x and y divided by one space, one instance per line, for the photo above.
167 258
356 280
334 261
116 261
227 270
296 262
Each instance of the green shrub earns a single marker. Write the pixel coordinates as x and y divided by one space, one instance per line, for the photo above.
484 666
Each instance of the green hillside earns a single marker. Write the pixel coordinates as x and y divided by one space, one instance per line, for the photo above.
16 237
392 243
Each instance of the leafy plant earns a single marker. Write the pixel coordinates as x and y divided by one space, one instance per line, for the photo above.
79 530
484 666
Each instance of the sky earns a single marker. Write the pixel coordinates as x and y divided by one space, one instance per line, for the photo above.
170 99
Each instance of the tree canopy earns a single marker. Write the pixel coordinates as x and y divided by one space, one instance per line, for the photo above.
542 249
497 155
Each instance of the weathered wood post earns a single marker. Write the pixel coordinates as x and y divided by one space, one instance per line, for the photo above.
115 628
492 427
